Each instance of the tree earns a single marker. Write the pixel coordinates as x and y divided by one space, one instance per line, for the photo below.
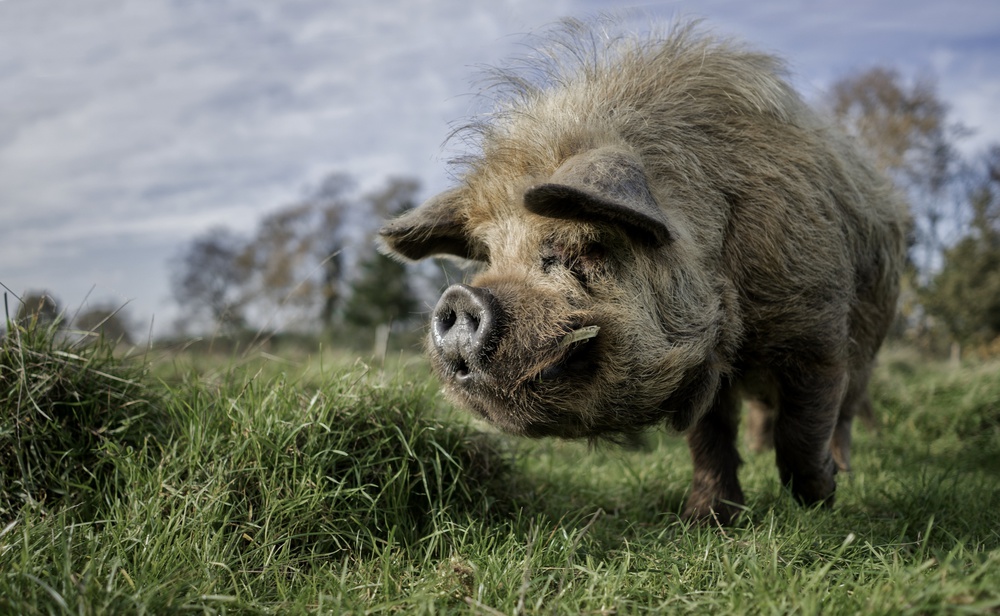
208 278
38 307
398 196
965 294
331 244
906 129
381 294
294 270
107 321
296 255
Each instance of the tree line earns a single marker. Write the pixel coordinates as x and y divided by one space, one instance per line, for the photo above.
951 289
41 309
311 266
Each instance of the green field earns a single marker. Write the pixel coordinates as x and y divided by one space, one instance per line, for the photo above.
168 483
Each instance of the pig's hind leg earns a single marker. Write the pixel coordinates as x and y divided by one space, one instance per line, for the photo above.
810 404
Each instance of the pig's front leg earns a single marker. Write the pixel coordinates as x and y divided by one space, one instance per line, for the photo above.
715 489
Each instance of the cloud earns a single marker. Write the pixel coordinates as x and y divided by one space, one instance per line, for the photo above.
131 126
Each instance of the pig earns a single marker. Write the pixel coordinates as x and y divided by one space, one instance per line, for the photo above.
662 228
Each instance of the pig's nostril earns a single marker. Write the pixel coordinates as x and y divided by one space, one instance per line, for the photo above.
461 370
448 319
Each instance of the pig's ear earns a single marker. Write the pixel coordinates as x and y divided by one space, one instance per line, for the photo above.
604 185
434 228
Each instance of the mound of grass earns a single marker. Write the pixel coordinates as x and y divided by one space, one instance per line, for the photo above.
345 468
59 403
239 486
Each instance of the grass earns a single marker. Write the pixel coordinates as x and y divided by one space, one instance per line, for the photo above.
268 487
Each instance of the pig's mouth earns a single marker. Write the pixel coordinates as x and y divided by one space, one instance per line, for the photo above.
541 390
572 354
521 401
577 355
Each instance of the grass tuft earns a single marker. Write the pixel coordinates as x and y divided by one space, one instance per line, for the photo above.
60 404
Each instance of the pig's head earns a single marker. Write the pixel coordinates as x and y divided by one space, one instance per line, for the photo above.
586 244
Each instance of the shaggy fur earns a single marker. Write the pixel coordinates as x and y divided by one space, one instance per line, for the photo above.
727 241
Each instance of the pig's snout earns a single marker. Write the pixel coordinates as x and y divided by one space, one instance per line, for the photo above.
463 325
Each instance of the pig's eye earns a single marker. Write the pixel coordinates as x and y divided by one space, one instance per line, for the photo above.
581 263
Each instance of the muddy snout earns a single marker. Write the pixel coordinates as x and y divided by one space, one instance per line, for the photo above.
464 325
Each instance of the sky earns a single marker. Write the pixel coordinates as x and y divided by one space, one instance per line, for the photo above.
127 127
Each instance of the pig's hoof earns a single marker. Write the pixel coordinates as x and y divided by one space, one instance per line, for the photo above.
820 493
814 488
708 511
